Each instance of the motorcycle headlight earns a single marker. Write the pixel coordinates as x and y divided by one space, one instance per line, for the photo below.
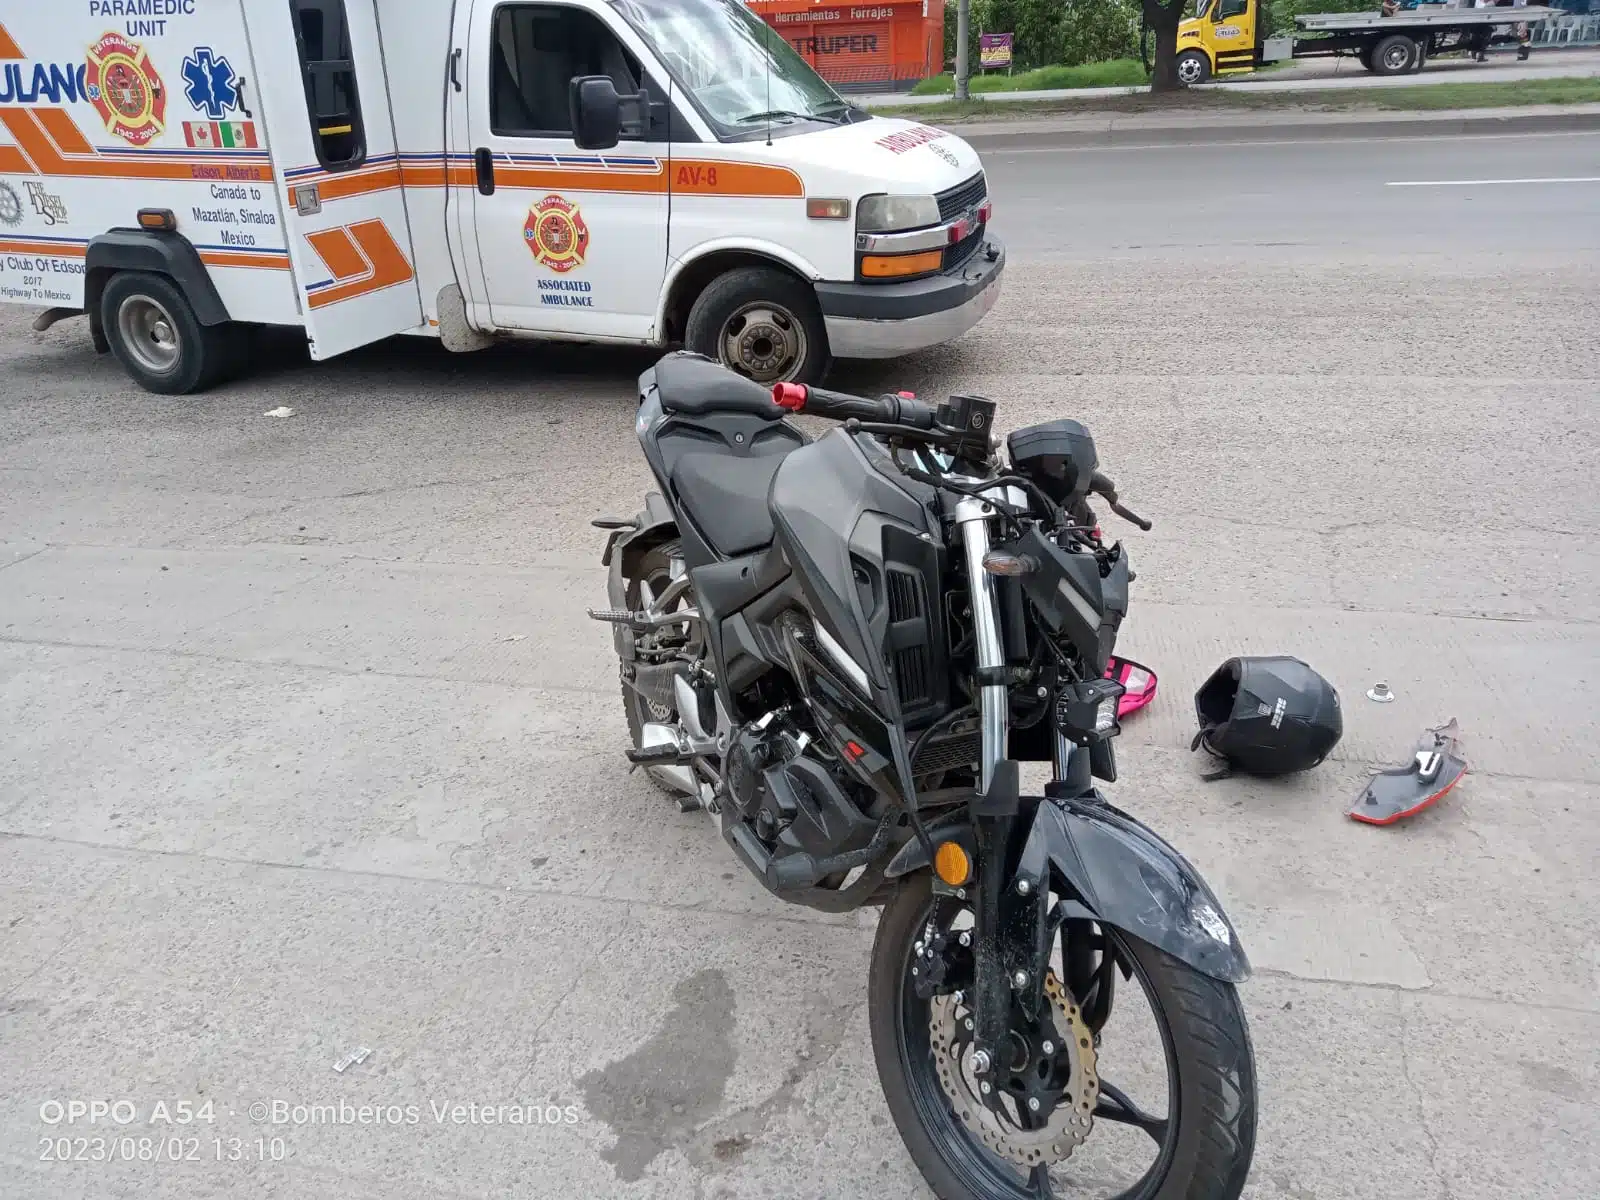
889 214
1087 712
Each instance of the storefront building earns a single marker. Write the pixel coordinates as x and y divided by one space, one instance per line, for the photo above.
887 46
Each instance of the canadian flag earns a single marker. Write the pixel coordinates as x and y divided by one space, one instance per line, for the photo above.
199 134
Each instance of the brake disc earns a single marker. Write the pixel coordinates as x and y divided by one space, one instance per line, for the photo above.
1064 1130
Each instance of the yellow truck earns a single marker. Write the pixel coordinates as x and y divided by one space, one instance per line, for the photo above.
1228 37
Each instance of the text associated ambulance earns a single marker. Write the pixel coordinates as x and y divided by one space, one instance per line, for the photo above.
632 171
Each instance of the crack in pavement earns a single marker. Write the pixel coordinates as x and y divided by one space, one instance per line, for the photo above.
1422 1111
290 664
727 1138
787 916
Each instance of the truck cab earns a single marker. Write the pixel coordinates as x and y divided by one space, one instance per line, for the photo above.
647 172
1220 39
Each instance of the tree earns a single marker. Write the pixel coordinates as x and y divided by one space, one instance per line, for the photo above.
1162 17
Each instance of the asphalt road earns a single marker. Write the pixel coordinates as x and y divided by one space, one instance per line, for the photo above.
305 744
1332 74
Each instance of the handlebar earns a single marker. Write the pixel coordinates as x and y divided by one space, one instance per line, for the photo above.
898 409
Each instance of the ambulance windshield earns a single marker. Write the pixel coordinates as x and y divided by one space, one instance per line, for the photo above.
740 70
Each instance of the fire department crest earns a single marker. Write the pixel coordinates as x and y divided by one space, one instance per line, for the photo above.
126 91
556 234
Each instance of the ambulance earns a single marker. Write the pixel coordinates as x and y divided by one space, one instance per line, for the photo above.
642 172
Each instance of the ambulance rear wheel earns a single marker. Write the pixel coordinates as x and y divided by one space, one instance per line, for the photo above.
763 323
1193 67
159 341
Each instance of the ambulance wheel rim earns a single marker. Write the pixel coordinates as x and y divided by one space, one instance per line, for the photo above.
764 341
150 334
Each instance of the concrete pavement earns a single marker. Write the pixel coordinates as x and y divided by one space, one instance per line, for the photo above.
308 746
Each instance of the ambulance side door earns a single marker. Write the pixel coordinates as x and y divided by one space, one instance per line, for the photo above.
325 96
569 241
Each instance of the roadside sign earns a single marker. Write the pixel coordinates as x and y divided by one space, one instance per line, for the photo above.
994 50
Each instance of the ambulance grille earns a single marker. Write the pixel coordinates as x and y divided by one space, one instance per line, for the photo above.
955 201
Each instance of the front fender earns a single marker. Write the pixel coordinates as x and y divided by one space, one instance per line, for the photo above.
1128 878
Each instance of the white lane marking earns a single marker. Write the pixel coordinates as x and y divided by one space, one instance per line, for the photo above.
1488 182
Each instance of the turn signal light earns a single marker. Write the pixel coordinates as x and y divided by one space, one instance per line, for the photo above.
998 562
952 864
157 218
890 266
822 208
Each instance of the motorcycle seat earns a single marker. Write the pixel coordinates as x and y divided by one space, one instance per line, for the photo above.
726 497
697 387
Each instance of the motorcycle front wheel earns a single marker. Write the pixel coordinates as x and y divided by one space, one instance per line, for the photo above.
1157 1100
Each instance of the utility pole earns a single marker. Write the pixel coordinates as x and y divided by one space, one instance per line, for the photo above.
963 66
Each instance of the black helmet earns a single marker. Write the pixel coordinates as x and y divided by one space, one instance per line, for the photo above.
1268 716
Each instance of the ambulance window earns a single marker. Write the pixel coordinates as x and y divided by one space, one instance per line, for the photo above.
537 51
323 37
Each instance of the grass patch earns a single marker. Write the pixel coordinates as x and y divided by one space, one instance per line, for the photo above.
1119 72
1403 99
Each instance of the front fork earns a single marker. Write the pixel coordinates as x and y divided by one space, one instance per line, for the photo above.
1010 897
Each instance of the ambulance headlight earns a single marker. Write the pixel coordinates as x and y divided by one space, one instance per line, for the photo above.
887 214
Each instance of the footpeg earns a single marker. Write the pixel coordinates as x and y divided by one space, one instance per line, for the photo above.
644 622
659 756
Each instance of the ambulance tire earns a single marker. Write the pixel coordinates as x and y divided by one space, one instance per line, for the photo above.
771 295
156 337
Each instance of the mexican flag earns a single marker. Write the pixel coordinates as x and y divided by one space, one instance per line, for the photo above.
220 135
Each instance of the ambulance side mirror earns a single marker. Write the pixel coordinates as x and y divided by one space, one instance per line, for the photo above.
596 112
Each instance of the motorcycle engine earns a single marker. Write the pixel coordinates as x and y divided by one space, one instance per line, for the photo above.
750 754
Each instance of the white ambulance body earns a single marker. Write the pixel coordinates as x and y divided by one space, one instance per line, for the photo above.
627 171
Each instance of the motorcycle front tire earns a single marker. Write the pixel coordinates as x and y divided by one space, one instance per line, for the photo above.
1215 1089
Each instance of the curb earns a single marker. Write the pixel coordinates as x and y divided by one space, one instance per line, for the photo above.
1121 131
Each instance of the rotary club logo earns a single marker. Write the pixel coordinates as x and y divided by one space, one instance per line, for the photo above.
556 234
126 91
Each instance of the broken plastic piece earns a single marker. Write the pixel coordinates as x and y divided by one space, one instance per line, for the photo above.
1140 682
283 410
1436 766
355 1057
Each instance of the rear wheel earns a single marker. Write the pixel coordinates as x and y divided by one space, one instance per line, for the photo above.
655 574
1193 67
1158 1103
763 323
1394 55
155 335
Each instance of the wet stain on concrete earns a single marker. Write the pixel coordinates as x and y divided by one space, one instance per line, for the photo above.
1554 1081
820 1032
655 1097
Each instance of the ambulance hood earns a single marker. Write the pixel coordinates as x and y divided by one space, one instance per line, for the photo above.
882 154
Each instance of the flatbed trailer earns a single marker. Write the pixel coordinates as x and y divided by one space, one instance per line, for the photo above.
1227 37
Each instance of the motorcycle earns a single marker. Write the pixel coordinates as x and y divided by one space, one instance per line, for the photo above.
843 649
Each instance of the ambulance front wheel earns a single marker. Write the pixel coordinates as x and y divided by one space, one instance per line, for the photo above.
158 340
763 323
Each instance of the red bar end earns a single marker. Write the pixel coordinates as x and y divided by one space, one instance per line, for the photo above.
789 395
